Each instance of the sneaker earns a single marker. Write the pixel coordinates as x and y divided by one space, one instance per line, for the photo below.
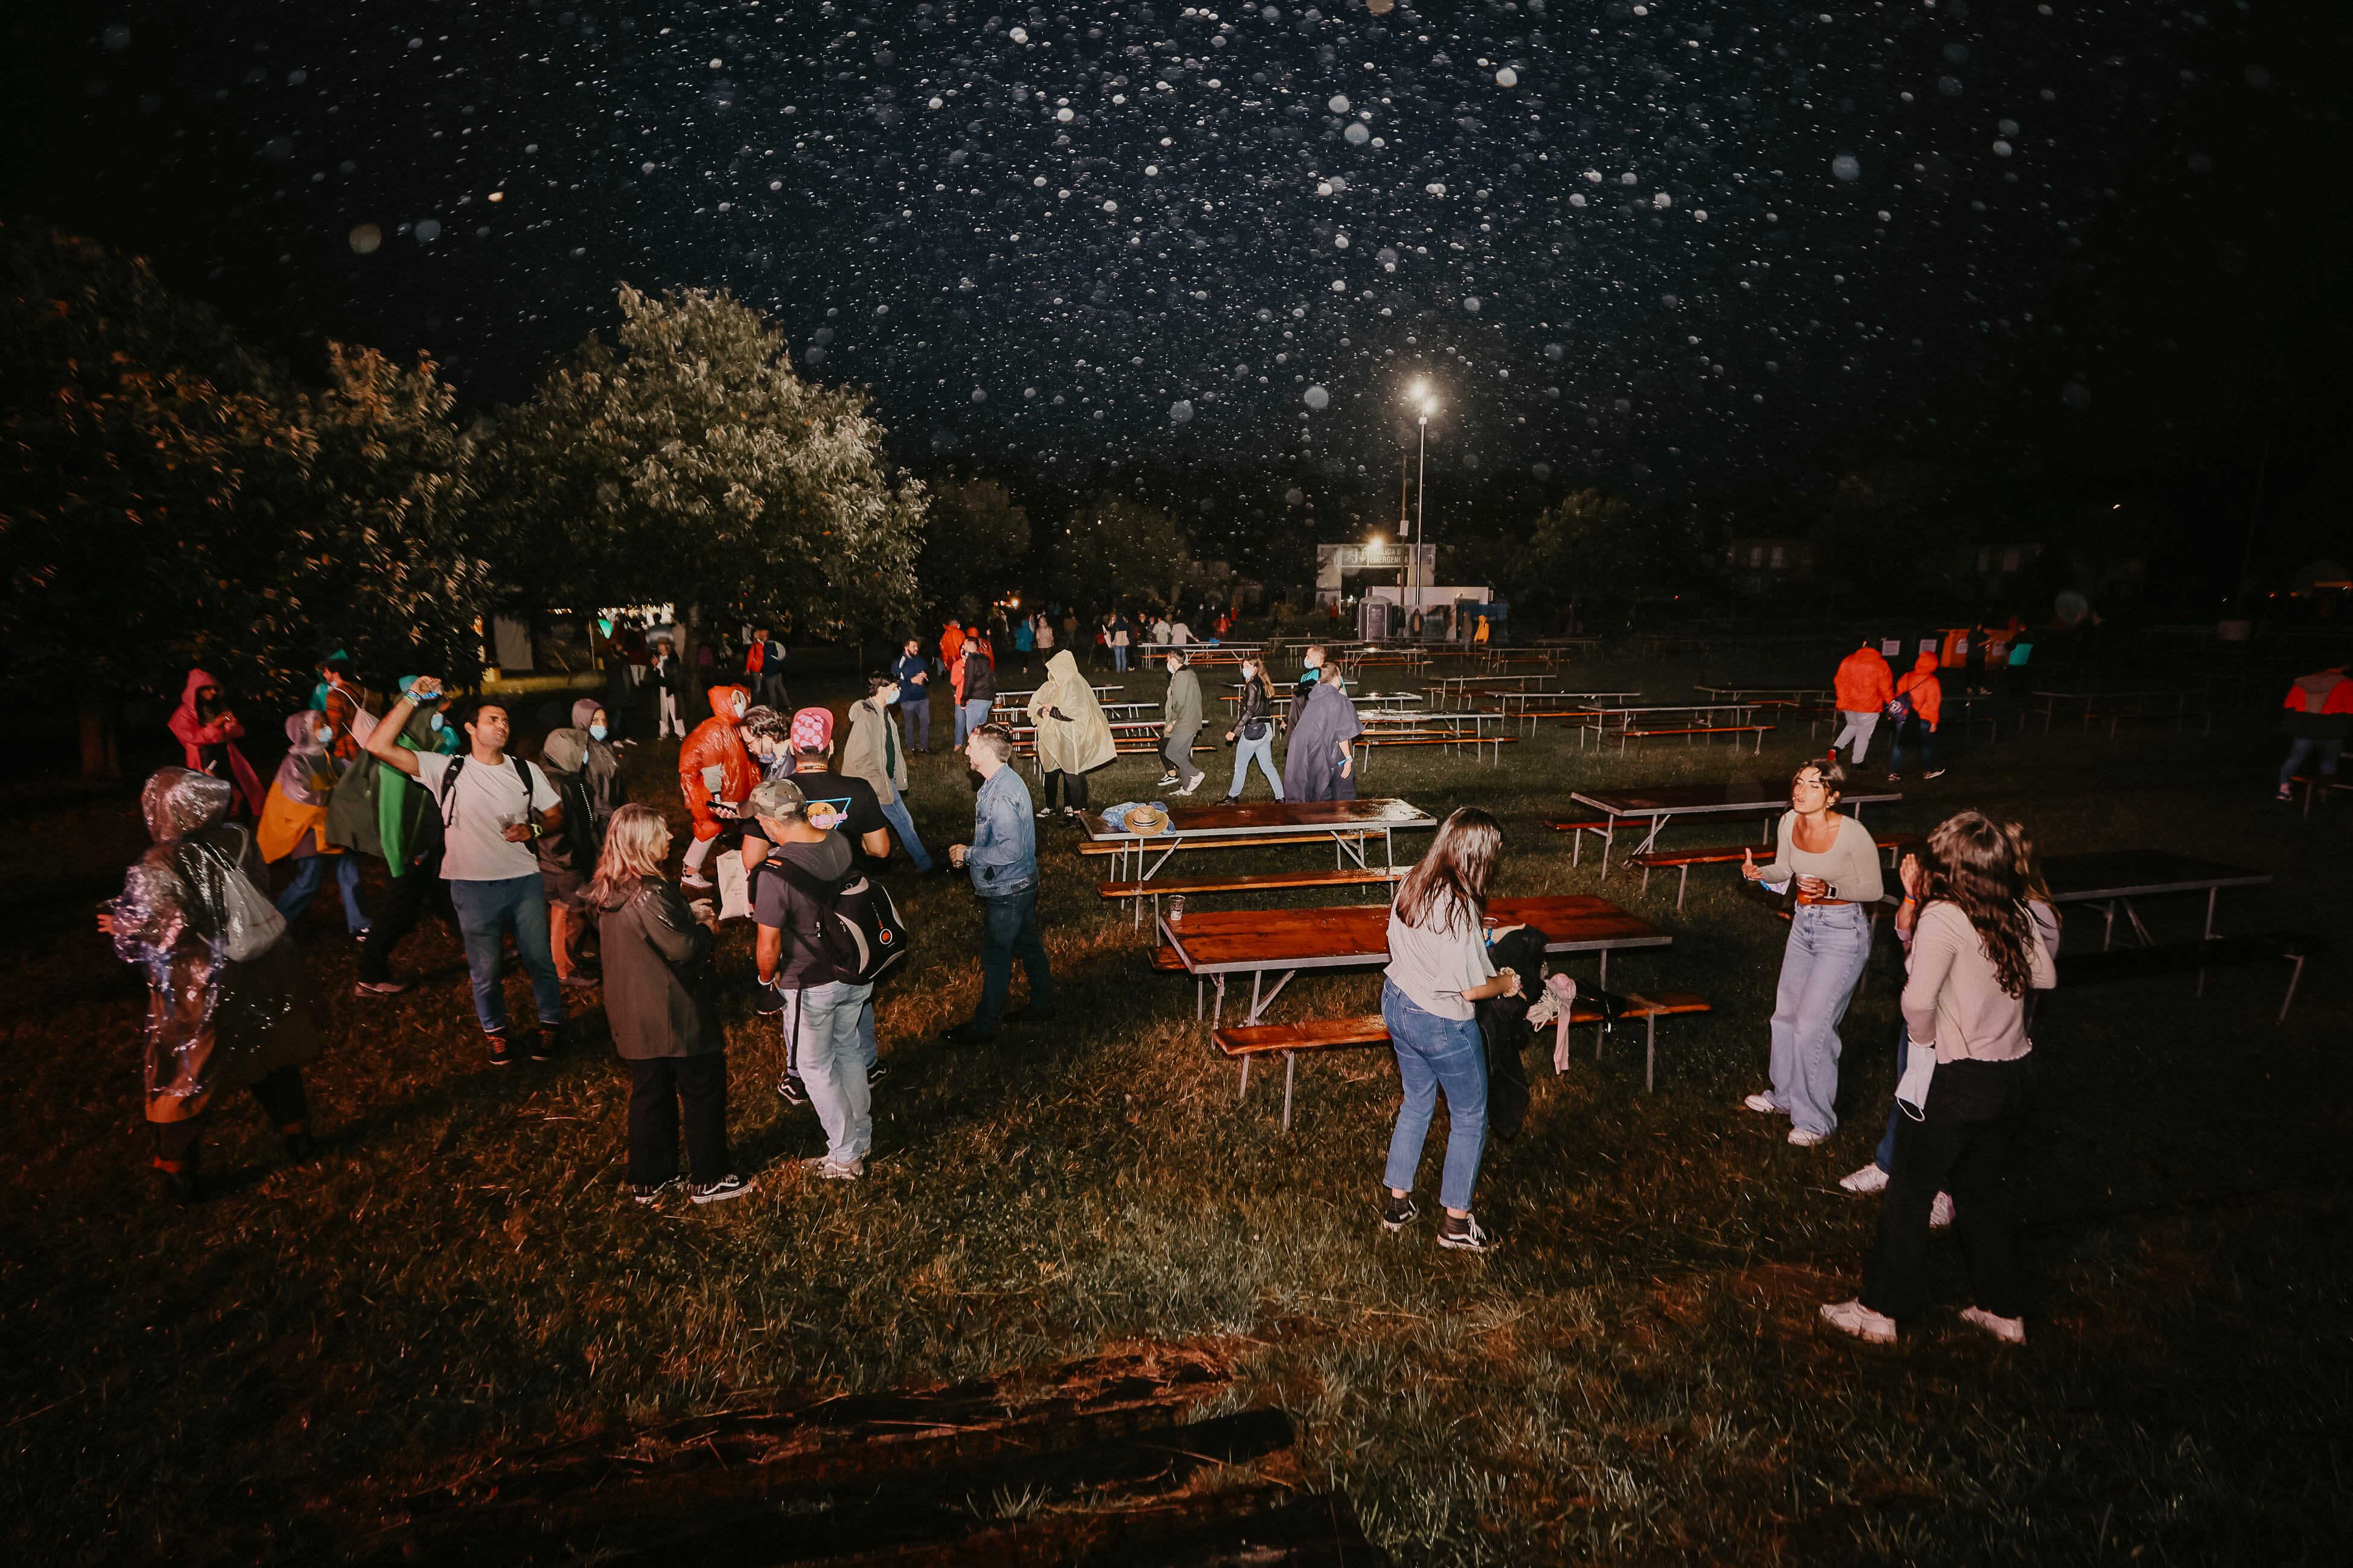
1397 1213
1762 1103
379 987
502 1052
826 1168
1870 1179
1045 811
1166 780
694 880
360 936
719 1191
877 1073
1805 1140
578 981
2009 1331
1892 778
648 1196
1462 1235
1934 774
789 1089
2287 792
1188 789
1854 1318
1940 1213
540 1043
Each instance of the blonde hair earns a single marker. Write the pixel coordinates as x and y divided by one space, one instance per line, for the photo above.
635 842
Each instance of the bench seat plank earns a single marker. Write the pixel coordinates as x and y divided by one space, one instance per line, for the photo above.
1253 881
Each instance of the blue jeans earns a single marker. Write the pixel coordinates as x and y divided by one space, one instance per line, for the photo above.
1824 958
309 872
486 910
895 814
1919 731
2300 749
1435 1053
1011 926
1885 1156
1261 752
825 1050
1118 656
915 722
971 716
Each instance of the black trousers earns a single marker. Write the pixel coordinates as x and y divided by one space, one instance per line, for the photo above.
1975 1113
406 898
281 1099
1074 789
658 1087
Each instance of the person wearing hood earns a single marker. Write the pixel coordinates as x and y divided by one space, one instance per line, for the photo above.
1861 689
1320 763
1924 699
229 1004
1073 736
568 850
294 822
1180 722
2319 715
204 725
396 827
874 755
716 774
601 770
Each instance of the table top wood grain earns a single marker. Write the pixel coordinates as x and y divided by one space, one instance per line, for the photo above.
1229 941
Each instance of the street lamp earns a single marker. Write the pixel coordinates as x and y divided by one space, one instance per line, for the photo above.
1425 406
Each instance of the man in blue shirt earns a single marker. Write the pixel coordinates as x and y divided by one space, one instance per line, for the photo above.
914 703
1002 861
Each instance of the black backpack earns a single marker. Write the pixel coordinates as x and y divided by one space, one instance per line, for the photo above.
858 925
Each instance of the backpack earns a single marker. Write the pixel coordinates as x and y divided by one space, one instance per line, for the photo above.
1899 708
858 925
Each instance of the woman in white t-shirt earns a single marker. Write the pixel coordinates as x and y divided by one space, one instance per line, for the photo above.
1438 966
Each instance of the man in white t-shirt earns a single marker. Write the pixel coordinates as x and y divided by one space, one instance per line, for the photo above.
492 808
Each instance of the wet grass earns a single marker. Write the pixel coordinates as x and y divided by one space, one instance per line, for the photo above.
1636 1375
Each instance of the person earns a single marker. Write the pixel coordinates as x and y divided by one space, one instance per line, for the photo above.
229 1004
618 684
915 678
1160 629
1927 696
662 1000
1320 763
294 822
1252 736
669 677
763 666
1479 636
208 730
873 757
976 692
1002 861
807 869
1439 968
346 706
951 655
1834 862
1180 634
1073 736
1975 956
1180 722
492 809
1863 688
601 770
569 853
1044 641
2319 714
715 774
1024 637
1122 638
396 828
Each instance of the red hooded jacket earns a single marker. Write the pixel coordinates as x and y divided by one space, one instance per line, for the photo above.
1927 692
195 734
1864 683
713 744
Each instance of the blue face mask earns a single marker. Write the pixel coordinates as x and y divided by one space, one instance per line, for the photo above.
325 736
436 721
597 731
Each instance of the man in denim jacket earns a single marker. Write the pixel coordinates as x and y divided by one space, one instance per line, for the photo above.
1002 861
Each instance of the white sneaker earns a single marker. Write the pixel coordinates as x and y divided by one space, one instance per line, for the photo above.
1870 1179
1761 1102
2010 1331
1854 1318
1940 1213
1190 788
1805 1140
832 1170
694 880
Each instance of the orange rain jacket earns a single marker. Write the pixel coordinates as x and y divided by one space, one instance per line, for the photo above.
1927 693
1865 682
713 744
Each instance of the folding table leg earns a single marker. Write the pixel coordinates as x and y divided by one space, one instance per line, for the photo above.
1650 1052
1682 881
2287 1001
1243 1093
1290 1071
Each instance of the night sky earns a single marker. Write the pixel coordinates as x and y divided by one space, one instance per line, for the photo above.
1661 244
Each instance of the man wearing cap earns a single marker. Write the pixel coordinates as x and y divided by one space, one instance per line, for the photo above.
1002 861
1180 722
821 1008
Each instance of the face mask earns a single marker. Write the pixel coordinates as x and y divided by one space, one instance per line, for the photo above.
597 731
325 736
437 721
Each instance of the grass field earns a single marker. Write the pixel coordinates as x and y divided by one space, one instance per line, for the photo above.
1636 1375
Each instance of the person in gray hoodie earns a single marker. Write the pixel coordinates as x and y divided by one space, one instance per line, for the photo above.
1180 722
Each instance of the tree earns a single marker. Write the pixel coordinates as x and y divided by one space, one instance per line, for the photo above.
975 537
685 463
1593 549
1114 549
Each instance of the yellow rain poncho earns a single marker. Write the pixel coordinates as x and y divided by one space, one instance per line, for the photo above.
1072 734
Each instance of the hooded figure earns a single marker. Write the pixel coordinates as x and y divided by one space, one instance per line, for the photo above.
601 771
1073 736
1323 729
229 1004
715 745
210 732
567 852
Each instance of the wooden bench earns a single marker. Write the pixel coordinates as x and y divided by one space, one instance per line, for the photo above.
1243 1042
1248 882
1114 845
2175 957
1894 844
1599 826
1759 731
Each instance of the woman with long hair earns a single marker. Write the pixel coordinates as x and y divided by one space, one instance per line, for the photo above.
1976 953
662 1001
1438 966
1834 862
1253 735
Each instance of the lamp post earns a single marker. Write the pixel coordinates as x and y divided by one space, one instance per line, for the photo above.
1426 405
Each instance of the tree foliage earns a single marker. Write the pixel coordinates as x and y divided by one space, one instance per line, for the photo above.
976 540
1115 548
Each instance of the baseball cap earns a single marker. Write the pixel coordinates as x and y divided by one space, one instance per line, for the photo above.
813 730
780 798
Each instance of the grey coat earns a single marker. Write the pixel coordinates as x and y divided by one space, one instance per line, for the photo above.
660 996
1181 712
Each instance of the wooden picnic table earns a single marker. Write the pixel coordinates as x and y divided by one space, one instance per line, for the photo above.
1784 693
2114 878
1661 804
2116 702
1703 713
1340 820
1448 728
1257 943
1523 704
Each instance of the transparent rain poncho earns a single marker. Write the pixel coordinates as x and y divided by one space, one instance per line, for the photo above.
225 1004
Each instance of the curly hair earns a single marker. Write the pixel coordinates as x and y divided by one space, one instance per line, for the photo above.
1975 866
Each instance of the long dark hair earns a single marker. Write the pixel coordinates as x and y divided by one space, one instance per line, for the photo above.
1975 865
1450 883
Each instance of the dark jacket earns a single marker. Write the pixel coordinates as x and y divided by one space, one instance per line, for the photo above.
979 675
660 996
1255 707
1503 1028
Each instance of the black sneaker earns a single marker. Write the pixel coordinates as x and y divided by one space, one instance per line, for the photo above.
540 1045
502 1052
719 1191
1397 1213
1463 1235
789 1089
646 1196
877 1073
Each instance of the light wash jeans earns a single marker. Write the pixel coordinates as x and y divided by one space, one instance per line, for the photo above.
1119 657
1435 1053
485 912
972 716
1858 725
831 1061
1824 958
895 814
1261 752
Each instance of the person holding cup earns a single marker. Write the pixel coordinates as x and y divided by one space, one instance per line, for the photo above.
1834 864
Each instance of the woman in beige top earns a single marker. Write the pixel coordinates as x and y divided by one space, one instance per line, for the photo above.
1835 865
1976 953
